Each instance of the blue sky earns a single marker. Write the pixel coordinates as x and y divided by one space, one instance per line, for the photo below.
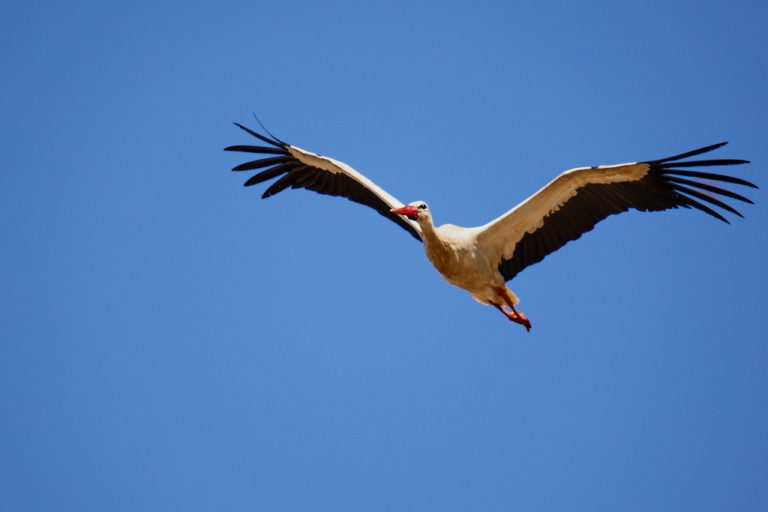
172 342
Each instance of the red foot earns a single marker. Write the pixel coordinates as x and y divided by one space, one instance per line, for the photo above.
519 318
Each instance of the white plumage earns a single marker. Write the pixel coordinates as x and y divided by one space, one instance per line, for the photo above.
482 259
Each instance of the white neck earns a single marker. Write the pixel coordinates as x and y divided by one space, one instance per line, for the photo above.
428 231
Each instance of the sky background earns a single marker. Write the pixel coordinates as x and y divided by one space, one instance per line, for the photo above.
168 341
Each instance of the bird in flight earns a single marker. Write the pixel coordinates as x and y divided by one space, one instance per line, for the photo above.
482 259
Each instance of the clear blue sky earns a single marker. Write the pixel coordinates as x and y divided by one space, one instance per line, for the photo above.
172 342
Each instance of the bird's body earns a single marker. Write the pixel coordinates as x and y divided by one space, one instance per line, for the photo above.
457 255
482 259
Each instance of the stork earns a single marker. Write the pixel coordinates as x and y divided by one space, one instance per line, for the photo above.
482 259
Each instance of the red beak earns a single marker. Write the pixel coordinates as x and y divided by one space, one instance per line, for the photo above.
408 211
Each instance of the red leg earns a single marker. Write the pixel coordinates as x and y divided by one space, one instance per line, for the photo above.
518 319
514 315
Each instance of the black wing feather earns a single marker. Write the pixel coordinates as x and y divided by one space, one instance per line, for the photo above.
688 154
711 188
261 137
256 149
710 176
708 198
660 189
260 164
267 175
295 174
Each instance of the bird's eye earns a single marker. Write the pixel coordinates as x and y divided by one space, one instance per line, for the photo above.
422 207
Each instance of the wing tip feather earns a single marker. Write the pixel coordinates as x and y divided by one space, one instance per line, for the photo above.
259 136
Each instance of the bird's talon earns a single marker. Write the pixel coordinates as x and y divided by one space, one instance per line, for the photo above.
519 318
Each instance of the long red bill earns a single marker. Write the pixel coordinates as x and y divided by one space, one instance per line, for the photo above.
408 211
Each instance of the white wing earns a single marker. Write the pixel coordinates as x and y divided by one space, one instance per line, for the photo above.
299 168
578 199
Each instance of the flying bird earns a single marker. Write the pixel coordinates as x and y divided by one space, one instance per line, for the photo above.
482 259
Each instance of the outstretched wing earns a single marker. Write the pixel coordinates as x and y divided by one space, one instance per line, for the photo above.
578 199
298 168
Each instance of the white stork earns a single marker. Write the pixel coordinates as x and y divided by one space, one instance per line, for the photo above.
482 259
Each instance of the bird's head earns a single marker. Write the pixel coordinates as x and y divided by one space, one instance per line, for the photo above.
417 210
